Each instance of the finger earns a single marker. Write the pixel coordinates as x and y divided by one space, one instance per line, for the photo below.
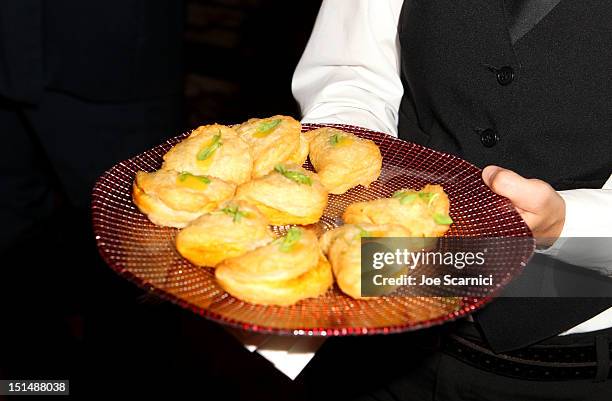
504 182
524 193
488 172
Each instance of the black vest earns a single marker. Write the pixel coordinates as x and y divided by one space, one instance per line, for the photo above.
483 82
524 84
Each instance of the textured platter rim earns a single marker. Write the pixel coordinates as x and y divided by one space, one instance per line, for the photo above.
473 303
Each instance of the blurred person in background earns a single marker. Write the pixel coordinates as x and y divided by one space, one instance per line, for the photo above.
83 85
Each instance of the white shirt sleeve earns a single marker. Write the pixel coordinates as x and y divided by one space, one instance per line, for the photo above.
586 238
588 213
349 72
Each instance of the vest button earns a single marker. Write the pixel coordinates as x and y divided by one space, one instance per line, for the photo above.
489 138
505 76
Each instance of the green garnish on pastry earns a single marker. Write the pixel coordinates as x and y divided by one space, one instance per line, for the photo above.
404 197
363 233
210 149
335 139
442 219
183 176
267 127
429 197
296 176
432 199
235 213
288 241
425 196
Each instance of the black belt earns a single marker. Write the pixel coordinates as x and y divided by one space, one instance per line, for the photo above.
572 357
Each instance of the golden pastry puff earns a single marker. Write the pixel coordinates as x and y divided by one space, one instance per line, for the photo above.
424 212
173 199
343 160
343 249
214 150
231 230
281 273
272 140
301 153
287 195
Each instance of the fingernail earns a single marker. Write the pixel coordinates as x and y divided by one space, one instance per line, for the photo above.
488 173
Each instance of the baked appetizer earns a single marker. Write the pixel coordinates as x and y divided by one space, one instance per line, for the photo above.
287 195
214 150
272 140
281 273
230 231
343 249
173 199
343 160
425 213
301 153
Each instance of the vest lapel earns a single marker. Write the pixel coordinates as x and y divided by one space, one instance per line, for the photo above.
525 14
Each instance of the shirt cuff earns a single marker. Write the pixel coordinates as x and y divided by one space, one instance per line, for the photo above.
288 354
585 237
573 225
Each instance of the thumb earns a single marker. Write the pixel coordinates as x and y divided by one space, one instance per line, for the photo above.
521 191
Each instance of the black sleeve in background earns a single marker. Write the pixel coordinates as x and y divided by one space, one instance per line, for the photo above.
117 50
21 50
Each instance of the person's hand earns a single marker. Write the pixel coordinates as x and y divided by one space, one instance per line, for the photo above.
536 201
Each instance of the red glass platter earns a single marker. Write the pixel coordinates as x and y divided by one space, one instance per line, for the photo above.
145 254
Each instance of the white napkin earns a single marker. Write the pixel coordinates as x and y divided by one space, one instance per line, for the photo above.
289 354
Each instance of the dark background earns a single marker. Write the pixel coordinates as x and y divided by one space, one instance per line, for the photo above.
240 56
66 315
